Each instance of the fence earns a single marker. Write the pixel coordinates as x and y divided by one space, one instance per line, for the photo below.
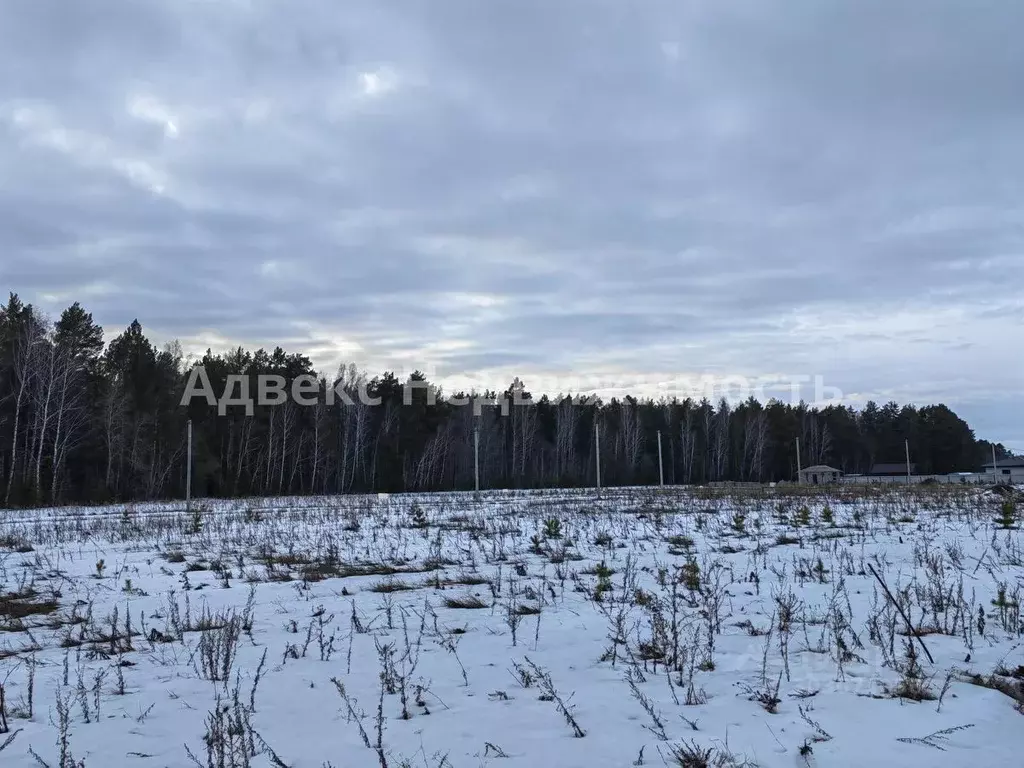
959 478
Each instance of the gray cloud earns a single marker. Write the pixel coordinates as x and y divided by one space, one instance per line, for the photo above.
557 189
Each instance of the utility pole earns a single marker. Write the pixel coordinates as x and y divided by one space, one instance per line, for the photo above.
476 457
995 466
661 466
188 469
597 453
906 443
798 460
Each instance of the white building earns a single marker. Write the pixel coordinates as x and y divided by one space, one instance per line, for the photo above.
820 474
1009 471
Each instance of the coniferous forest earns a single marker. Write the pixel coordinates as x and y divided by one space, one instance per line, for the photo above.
82 421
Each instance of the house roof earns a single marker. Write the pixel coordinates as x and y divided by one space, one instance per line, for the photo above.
892 469
1016 461
820 468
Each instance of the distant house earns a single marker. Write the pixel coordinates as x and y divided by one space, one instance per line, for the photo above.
1007 470
820 474
891 470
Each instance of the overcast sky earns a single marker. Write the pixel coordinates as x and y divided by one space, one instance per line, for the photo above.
584 192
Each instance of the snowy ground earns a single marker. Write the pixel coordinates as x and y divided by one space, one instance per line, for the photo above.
516 629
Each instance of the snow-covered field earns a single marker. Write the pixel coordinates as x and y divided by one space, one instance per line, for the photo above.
642 627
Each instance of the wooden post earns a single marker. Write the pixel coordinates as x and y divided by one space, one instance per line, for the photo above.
661 466
906 443
188 467
476 457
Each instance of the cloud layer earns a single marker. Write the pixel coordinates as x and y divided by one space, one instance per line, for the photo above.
582 188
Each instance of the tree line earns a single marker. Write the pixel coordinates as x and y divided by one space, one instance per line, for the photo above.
82 421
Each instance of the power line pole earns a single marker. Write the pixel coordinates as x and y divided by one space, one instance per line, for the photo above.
597 453
906 443
661 466
995 466
476 457
188 469
798 468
